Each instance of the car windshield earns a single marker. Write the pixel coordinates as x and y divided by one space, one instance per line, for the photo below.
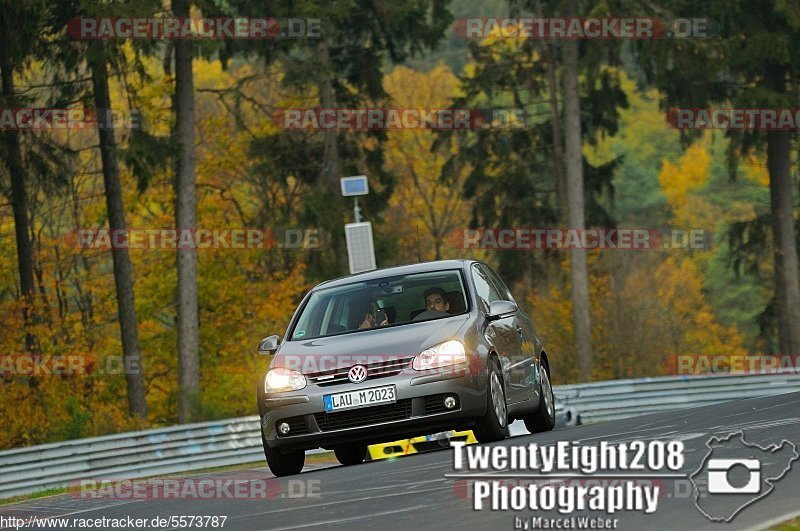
378 303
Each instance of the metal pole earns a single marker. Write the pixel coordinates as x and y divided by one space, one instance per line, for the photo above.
356 210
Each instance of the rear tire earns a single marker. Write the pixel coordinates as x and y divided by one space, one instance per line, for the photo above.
493 426
283 464
351 454
544 418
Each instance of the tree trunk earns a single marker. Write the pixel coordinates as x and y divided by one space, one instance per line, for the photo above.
574 176
19 198
555 123
331 172
123 275
787 270
186 219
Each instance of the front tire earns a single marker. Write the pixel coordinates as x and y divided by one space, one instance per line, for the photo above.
283 464
351 454
493 426
544 418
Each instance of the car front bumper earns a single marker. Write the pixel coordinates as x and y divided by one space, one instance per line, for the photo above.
418 410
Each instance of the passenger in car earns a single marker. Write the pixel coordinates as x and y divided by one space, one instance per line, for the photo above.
373 316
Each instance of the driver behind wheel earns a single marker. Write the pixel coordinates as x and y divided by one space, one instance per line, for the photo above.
436 299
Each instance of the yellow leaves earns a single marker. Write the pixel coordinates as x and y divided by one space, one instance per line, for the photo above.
210 75
24 419
755 169
688 174
551 310
410 88
242 298
680 183
505 40
423 208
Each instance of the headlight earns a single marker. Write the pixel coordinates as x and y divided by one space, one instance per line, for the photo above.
279 380
448 353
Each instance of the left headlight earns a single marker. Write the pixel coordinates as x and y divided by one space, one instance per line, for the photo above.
442 355
279 380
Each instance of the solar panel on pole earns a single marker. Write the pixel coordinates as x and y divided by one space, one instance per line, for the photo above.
360 250
355 185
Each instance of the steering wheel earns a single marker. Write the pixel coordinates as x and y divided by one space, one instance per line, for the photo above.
429 314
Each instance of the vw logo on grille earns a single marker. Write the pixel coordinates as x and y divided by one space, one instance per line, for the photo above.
357 373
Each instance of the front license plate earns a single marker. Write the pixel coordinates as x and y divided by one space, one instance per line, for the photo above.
360 398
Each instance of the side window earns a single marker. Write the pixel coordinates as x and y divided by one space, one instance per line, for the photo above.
487 293
502 289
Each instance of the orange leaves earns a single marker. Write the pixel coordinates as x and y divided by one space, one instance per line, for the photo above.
693 327
645 311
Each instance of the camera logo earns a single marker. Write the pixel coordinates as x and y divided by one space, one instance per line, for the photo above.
718 482
735 474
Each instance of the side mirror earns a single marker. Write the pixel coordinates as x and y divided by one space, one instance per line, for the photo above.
268 345
500 309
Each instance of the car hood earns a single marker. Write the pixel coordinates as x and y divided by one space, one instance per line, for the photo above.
367 346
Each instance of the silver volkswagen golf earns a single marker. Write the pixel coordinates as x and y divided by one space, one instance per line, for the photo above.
400 352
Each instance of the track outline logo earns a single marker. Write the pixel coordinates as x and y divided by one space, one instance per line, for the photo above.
717 469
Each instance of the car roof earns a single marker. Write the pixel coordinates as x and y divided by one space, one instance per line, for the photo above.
423 267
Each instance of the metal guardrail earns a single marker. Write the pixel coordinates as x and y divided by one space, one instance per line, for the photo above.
617 399
131 455
238 441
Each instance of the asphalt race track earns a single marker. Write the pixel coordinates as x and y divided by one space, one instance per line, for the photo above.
413 492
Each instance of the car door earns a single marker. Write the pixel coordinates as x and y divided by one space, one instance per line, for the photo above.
502 333
524 373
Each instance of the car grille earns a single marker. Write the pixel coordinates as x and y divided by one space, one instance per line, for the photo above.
364 416
379 369
297 426
435 404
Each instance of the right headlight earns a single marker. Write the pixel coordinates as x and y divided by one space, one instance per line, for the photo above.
279 380
442 355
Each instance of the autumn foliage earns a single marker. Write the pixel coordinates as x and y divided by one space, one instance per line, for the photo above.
647 306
